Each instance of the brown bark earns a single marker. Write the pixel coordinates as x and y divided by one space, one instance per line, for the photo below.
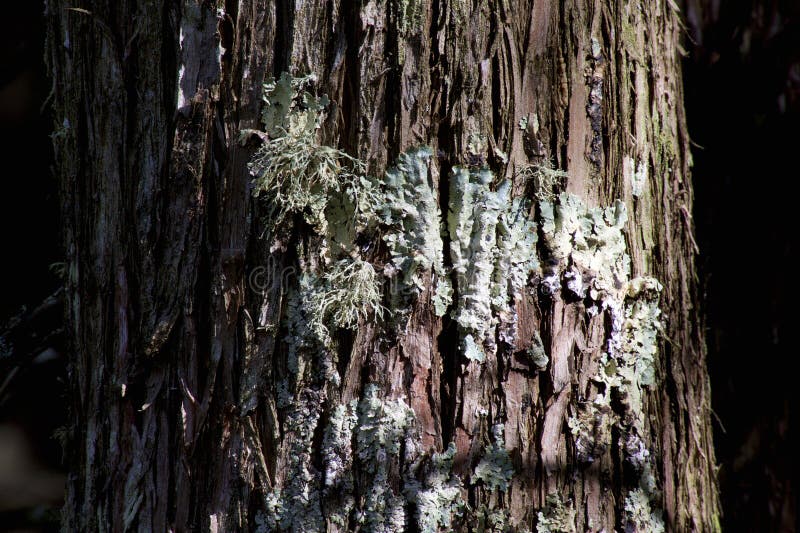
176 363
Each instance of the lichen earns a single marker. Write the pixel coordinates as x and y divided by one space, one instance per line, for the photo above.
495 469
411 213
536 352
492 249
630 358
516 255
293 171
307 338
350 290
337 456
638 339
383 425
544 177
295 505
556 517
437 497
587 244
638 176
591 428
639 515
587 257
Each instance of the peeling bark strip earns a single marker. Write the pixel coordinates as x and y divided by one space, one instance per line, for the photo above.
385 310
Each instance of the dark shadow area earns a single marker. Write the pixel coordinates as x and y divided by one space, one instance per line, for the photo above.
31 382
742 80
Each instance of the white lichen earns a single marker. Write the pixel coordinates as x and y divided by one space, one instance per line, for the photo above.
495 469
638 175
556 517
411 212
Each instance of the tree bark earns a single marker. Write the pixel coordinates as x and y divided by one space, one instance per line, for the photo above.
198 404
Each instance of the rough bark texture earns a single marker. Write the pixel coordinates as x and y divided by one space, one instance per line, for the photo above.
177 364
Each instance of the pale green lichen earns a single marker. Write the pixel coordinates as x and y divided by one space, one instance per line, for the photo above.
515 261
556 517
591 427
493 252
630 358
472 350
495 469
490 519
295 505
587 246
411 212
472 222
350 291
638 339
297 174
639 515
383 425
437 497
587 256
337 456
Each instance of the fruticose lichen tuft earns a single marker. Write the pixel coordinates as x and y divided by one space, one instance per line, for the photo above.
556 517
293 171
544 177
350 290
495 469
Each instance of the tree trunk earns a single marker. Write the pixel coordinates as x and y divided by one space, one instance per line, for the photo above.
269 334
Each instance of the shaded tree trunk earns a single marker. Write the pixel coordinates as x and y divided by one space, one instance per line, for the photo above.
207 392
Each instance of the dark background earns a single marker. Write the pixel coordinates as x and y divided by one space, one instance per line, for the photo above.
742 85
